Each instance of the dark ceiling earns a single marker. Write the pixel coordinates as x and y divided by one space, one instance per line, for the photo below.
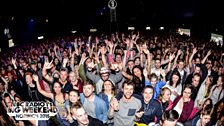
64 15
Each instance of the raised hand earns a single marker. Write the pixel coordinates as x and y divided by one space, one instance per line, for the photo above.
133 36
139 114
209 52
194 50
35 78
48 65
146 51
171 57
114 66
13 61
114 104
179 52
167 50
110 44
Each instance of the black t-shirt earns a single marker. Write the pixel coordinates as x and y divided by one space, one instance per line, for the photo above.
34 94
68 87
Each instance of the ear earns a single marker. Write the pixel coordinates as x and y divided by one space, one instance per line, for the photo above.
160 122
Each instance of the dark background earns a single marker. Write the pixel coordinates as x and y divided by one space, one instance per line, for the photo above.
202 17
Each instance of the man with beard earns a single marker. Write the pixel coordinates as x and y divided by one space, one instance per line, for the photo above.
125 111
94 106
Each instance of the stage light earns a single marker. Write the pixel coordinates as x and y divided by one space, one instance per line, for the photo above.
11 43
73 31
161 28
6 31
217 38
183 31
147 28
93 30
40 37
131 28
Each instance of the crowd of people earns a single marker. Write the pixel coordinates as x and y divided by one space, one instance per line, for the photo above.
120 79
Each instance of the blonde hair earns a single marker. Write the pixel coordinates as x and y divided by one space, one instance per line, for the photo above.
162 92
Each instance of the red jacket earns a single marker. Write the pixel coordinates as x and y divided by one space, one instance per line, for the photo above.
187 109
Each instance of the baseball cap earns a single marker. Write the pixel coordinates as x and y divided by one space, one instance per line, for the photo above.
104 70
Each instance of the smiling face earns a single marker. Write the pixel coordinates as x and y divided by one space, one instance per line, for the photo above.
72 76
104 76
128 91
107 86
181 65
73 96
148 94
205 119
166 95
137 61
187 93
195 80
175 78
63 75
29 79
131 64
137 72
88 90
80 116
157 64
57 88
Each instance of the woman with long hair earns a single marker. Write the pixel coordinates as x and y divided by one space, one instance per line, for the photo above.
137 75
174 84
184 104
204 118
108 92
217 91
217 116
195 114
58 98
138 78
203 92
73 98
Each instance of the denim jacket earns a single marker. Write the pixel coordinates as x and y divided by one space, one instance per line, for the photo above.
105 98
101 109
